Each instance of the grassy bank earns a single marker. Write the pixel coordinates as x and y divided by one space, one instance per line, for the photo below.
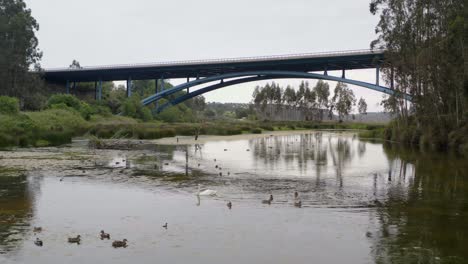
442 138
58 126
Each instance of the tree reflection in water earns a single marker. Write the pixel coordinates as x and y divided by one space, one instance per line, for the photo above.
15 209
424 217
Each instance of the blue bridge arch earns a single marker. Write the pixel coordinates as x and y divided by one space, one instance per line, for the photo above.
251 76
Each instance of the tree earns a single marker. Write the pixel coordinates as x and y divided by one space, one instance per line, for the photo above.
75 65
424 45
343 100
362 106
322 90
18 53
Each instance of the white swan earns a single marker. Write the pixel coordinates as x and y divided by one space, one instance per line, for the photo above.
206 192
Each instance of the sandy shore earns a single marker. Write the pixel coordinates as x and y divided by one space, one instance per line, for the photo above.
184 140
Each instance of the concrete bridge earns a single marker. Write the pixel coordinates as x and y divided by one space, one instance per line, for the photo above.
226 72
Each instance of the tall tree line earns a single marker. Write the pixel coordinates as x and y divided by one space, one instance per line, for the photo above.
424 45
313 103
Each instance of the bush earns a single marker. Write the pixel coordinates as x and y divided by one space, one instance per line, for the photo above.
132 107
9 105
64 99
256 130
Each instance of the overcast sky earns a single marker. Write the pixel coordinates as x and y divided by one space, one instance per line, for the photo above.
102 32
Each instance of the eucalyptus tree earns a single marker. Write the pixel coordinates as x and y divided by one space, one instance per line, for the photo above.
424 45
343 100
322 91
362 106
19 52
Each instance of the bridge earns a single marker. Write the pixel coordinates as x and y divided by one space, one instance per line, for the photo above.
226 72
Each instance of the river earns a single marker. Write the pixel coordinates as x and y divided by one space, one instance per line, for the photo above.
362 202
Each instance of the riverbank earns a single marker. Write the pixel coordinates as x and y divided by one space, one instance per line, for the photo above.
53 127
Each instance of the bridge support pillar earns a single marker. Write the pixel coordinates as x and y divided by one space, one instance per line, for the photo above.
377 77
95 91
129 87
67 86
392 79
73 91
343 75
156 90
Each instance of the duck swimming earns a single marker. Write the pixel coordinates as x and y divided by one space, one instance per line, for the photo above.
38 242
118 243
76 239
229 205
269 200
298 204
104 235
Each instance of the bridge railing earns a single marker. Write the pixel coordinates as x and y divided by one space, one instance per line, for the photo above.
224 60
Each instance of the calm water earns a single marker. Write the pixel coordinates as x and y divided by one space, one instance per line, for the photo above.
362 203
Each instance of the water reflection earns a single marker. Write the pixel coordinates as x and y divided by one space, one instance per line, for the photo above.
403 207
16 209
424 218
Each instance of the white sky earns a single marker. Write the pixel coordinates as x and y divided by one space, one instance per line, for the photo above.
101 32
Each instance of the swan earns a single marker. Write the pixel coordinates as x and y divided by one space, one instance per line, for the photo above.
206 192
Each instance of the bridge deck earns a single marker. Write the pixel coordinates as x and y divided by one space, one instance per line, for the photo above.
347 60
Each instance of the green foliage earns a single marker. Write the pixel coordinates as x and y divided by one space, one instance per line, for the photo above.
424 43
64 99
343 100
132 107
9 105
18 51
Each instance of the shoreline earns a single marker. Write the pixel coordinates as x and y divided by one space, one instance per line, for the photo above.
202 139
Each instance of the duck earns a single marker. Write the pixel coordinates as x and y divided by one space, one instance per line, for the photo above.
216 166
38 242
61 178
220 174
296 195
269 200
229 205
118 243
165 225
37 229
298 204
76 239
104 235
206 192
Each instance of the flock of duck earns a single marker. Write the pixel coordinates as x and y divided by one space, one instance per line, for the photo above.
77 239
209 192
123 243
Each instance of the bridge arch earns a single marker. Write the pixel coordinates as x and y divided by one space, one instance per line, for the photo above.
250 76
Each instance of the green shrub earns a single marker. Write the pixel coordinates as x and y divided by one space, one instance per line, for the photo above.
66 99
9 105
256 130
